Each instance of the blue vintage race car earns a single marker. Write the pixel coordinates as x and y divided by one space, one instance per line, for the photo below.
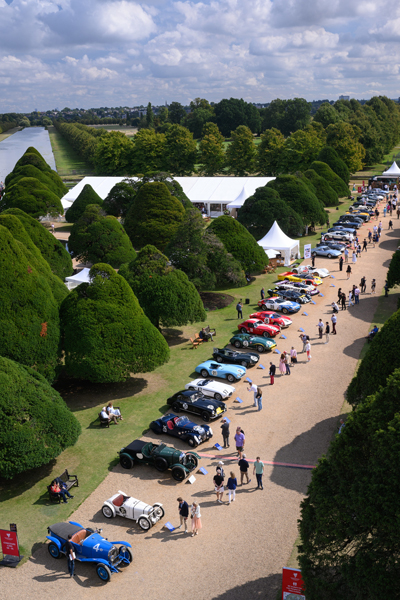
280 305
209 368
89 546
182 428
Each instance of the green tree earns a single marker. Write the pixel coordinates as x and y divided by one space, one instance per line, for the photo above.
165 294
51 249
232 113
260 211
211 151
149 116
154 216
33 197
393 274
86 197
176 112
241 153
228 271
196 120
343 137
181 151
329 156
49 178
163 114
148 152
240 243
330 176
269 152
96 238
119 198
300 198
326 115
112 154
36 423
299 150
24 122
115 337
324 192
287 115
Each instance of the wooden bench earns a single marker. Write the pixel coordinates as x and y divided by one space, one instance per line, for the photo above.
210 331
194 343
104 421
68 480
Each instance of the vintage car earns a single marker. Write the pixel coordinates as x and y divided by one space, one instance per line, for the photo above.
320 272
236 358
302 277
257 327
230 372
195 402
291 295
336 235
245 340
280 305
90 547
182 428
122 505
211 388
286 285
325 251
311 290
268 316
161 457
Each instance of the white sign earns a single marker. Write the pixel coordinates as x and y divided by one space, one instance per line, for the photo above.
307 250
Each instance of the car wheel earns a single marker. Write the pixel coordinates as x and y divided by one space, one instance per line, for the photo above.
244 363
159 511
218 397
245 344
160 464
230 378
107 512
205 416
192 442
243 330
126 461
176 407
54 550
237 344
178 473
126 553
266 334
219 359
329 255
260 348
285 311
191 388
144 523
204 373
193 458
103 572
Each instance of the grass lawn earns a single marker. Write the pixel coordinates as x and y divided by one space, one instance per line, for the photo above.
379 168
67 160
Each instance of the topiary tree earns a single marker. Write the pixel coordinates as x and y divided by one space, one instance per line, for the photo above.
259 212
324 192
154 216
329 156
29 321
393 274
49 178
96 238
334 180
120 198
32 157
348 528
165 294
36 423
240 243
51 249
300 198
227 270
115 337
33 197
375 367
86 197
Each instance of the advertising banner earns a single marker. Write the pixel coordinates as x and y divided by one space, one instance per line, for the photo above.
9 542
307 250
292 584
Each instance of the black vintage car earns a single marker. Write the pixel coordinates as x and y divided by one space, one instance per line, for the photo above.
291 295
194 402
182 428
246 359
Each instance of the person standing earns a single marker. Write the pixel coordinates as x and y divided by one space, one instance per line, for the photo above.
327 332
287 362
359 250
196 518
339 294
365 244
262 293
333 320
293 355
348 270
239 307
70 552
398 211
320 328
244 468
357 295
272 370
183 510
343 301
350 302
313 260
346 255
354 258
219 485
231 485
386 288
390 224
363 284
282 364
253 388
259 398
303 338
225 432
341 263
373 286
258 471
240 441
308 350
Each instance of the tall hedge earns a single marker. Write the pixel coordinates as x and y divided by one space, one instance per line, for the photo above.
300 198
86 197
115 337
49 178
329 156
36 424
240 243
51 248
334 180
33 197
29 320
324 192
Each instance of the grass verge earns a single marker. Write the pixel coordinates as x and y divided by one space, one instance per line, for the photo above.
68 162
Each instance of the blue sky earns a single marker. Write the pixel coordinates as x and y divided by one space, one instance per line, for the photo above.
85 53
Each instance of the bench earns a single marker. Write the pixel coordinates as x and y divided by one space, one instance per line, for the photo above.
104 422
68 480
210 331
194 343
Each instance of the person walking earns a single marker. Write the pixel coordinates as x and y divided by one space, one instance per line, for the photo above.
258 471
219 485
339 293
350 298
359 250
363 284
239 307
365 244
341 263
225 432
282 364
183 510
259 398
303 338
196 518
253 388
308 350
262 293
231 485
348 271
244 467
390 224
333 321
287 362
293 355
70 552
343 301
313 260
384 211
327 332
320 328
240 441
386 288
272 370
373 286
357 295
346 255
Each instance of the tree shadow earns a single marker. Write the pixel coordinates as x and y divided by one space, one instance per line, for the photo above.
80 394
174 337
264 588
354 349
18 485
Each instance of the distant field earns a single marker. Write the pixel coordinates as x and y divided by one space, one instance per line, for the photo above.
68 162
7 134
127 130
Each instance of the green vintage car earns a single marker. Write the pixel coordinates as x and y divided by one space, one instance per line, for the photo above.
246 340
160 456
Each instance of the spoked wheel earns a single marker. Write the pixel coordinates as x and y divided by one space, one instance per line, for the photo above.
103 572
107 512
54 550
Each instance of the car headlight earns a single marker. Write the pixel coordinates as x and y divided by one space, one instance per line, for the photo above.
210 432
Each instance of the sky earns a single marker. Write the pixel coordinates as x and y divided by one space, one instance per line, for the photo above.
92 53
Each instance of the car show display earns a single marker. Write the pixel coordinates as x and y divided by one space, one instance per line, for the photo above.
211 388
122 505
279 304
246 340
194 402
325 251
257 327
236 358
209 368
292 295
182 428
268 316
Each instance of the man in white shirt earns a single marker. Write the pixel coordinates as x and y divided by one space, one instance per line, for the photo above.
253 388
104 416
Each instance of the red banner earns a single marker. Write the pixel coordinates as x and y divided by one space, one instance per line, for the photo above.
9 542
292 583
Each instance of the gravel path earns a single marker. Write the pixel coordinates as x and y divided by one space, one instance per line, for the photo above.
241 549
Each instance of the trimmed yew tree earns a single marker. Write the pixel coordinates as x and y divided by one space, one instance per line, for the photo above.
324 192
115 336
166 295
33 197
36 424
49 178
334 180
300 198
86 197
329 156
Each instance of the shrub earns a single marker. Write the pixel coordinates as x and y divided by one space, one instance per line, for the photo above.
86 197
324 192
36 425
33 197
393 275
299 197
334 180
49 178
329 156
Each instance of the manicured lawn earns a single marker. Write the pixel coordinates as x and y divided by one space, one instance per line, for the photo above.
67 160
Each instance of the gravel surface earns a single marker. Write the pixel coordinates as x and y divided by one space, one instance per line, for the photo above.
242 547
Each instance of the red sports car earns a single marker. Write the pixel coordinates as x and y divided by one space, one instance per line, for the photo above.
269 317
257 327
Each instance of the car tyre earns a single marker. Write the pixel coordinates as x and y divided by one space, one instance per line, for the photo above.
230 378
54 550
243 330
237 344
159 511
204 373
266 334
160 464
107 512
192 442
218 396
285 311
193 458
176 407
260 348
103 572
144 523
329 255
178 473
126 461
126 553
205 416
219 359
244 363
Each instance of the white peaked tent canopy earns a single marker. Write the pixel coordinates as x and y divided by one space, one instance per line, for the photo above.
75 280
275 239
393 171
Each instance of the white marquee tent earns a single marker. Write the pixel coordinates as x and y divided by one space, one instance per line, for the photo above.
75 280
275 239
392 171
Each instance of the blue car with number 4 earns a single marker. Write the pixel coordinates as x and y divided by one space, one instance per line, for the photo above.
89 546
209 368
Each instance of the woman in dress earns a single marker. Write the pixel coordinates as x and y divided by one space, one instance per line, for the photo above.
354 258
282 364
308 350
196 518
348 270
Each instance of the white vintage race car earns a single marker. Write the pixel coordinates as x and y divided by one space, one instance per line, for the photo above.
211 388
122 505
320 271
